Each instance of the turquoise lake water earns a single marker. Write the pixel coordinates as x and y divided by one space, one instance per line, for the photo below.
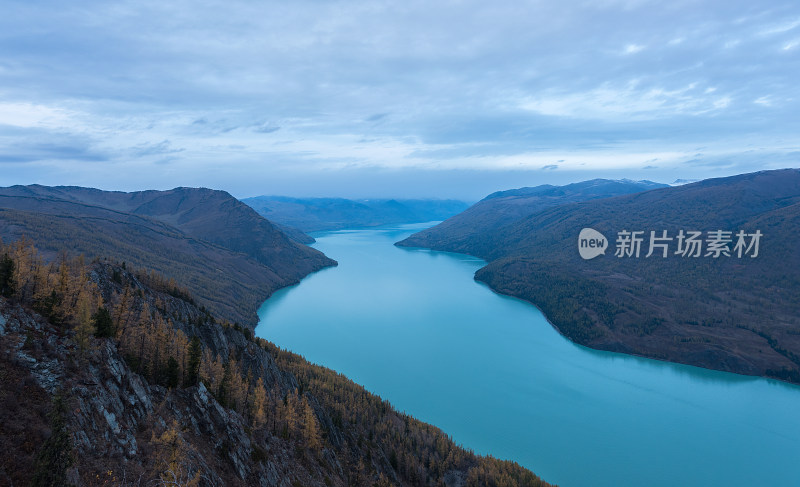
414 327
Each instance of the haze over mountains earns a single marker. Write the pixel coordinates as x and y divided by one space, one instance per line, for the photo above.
729 313
319 214
219 248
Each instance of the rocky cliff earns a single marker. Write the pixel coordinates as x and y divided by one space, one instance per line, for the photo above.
129 411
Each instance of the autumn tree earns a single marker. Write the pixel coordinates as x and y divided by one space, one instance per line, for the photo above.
311 434
258 408
173 465
85 327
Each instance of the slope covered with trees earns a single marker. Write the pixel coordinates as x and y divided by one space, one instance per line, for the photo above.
224 252
467 231
128 382
739 314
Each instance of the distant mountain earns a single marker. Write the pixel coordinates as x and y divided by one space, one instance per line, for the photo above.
679 182
729 313
295 234
467 232
228 255
318 214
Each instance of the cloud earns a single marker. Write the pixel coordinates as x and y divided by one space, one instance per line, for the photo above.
780 28
791 44
630 101
632 49
25 114
266 128
550 167
376 117
763 101
151 149
171 93
55 150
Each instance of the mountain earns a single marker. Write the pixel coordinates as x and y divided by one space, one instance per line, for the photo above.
319 214
111 377
739 314
466 231
228 256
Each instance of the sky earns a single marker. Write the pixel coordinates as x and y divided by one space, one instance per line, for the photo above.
448 99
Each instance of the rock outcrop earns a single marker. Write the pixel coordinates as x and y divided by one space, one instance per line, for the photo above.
319 430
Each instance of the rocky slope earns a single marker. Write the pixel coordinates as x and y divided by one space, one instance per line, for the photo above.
257 416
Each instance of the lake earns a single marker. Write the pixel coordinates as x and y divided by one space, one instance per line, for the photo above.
414 327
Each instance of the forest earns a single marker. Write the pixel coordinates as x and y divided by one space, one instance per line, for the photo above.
732 313
329 429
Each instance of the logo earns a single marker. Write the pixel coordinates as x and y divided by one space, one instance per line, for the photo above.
687 244
591 243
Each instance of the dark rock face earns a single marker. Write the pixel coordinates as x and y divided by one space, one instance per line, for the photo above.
115 414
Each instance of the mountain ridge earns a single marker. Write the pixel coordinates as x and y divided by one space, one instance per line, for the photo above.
733 314
231 257
464 232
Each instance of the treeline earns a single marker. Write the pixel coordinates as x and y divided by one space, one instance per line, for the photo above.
59 290
157 331
418 453
65 293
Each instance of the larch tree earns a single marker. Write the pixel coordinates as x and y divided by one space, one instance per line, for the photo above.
259 405
311 433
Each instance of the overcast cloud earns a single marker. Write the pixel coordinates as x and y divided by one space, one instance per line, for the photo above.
411 98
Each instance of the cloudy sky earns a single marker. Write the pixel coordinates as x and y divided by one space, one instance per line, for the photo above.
394 98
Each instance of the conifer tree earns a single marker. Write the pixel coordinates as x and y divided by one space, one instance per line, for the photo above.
7 276
55 457
193 362
173 373
103 324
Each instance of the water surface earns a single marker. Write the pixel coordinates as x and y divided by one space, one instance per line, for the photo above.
414 327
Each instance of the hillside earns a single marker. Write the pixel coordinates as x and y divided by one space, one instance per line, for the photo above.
224 252
728 313
466 231
319 214
113 377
